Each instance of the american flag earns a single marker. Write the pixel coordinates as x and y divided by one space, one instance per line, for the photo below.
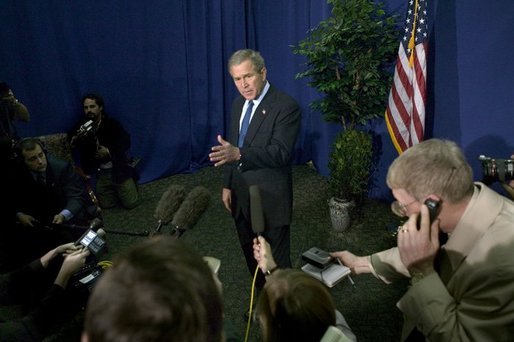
405 113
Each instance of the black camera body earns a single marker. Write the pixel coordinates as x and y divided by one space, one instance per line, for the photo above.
85 129
495 169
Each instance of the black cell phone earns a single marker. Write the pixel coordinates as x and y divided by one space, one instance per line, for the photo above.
434 207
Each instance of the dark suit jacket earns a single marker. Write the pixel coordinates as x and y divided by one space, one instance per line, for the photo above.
63 189
266 157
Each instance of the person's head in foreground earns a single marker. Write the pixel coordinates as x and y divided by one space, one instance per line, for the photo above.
158 290
293 306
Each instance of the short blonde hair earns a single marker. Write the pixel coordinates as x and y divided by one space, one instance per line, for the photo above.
433 166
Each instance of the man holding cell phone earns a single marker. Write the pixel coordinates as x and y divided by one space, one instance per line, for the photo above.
456 286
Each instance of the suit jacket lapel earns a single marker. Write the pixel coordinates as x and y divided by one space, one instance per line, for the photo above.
260 114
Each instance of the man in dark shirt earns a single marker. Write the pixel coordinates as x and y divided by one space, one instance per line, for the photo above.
100 145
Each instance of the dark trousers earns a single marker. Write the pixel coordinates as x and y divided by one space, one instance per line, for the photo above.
277 237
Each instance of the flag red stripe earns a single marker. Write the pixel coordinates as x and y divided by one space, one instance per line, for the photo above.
405 112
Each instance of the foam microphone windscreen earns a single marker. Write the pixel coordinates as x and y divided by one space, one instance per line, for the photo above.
169 203
256 212
194 205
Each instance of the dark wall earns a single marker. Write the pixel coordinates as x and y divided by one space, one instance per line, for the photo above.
161 67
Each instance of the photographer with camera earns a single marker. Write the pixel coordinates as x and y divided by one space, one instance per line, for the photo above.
11 110
461 290
100 145
46 306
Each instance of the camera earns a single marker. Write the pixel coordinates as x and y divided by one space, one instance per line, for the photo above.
495 169
85 129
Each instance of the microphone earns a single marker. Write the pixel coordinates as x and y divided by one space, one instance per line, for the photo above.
194 205
169 203
96 224
256 212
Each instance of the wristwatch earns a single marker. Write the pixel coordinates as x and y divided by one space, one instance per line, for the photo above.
268 272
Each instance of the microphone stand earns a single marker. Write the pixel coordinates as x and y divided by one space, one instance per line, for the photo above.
110 231
121 232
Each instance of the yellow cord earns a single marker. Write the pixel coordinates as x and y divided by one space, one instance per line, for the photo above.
248 324
104 264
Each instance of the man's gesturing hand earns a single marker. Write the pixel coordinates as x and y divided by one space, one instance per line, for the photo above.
224 153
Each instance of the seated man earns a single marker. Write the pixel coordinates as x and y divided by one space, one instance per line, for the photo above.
462 290
56 307
293 306
158 290
48 194
100 145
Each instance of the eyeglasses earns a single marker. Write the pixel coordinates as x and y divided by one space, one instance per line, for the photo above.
400 209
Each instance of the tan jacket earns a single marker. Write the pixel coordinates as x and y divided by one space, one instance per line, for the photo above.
476 302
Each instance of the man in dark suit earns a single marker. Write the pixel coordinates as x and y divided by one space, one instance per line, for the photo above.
259 151
50 203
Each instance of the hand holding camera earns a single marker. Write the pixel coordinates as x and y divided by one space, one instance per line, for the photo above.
84 131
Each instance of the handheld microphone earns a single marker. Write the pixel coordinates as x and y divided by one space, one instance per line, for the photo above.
96 223
256 212
194 205
169 203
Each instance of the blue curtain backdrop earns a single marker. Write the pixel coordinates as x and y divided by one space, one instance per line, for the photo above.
161 67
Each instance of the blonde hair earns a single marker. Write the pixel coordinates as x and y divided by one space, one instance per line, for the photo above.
433 166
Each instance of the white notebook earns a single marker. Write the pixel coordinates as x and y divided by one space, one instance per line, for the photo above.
330 275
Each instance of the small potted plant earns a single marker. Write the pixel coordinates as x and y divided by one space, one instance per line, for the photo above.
349 61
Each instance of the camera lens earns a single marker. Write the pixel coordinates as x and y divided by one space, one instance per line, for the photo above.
495 170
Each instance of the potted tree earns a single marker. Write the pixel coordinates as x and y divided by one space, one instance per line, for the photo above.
349 61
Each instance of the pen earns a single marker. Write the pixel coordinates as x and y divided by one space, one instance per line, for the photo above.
349 277
351 281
